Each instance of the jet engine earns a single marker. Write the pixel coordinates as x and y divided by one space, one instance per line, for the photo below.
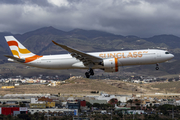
110 65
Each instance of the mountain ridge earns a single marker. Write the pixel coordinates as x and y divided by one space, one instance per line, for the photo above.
39 42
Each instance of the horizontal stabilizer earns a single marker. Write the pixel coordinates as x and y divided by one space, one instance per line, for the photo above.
15 58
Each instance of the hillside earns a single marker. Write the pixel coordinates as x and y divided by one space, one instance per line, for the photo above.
83 87
40 42
169 87
170 40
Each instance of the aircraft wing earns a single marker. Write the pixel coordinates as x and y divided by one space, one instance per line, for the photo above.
82 56
15 58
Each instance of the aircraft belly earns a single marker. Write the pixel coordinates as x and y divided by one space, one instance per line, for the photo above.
54 64
129 61
161 59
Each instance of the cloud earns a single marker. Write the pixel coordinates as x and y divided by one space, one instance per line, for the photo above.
59 3
143 18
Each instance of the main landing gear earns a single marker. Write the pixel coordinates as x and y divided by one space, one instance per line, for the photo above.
157 66
90 72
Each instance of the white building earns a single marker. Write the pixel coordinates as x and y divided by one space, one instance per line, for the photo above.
106 97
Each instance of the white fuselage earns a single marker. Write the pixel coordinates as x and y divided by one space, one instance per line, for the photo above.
125 58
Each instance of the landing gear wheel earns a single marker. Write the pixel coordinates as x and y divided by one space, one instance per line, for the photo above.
157 68
87 74
91 71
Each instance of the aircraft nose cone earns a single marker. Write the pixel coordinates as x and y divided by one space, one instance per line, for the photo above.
172 56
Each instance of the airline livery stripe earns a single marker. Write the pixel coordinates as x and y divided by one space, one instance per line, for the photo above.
116 64
29 59
12 43
22 51
14 52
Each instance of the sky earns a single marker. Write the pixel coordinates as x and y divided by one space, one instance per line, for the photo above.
142 18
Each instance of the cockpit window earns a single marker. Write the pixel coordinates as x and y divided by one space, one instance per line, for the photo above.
166 52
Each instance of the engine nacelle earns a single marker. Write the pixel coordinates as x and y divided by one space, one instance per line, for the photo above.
110 65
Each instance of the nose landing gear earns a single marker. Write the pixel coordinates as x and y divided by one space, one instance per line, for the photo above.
89 73
157 66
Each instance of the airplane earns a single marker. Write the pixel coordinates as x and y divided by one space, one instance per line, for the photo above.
107 61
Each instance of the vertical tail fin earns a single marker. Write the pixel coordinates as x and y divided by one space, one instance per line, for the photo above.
17 49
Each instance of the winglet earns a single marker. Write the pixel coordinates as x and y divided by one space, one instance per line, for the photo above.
59 44
54 42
